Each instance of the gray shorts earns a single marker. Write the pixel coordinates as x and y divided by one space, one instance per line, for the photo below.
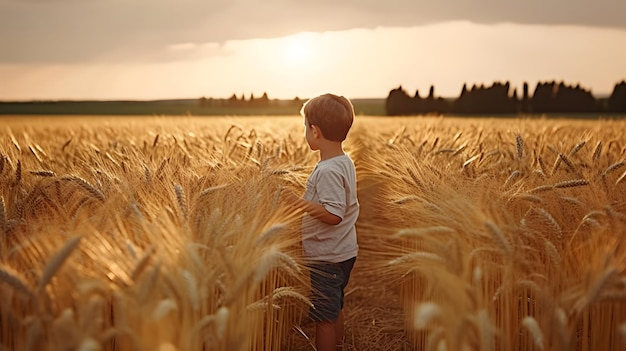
327 283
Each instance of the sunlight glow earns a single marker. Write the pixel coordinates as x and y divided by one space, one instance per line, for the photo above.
298 49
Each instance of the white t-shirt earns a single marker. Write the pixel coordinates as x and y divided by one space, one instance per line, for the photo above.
332 184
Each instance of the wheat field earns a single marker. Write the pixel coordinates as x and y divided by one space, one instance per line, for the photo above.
170 233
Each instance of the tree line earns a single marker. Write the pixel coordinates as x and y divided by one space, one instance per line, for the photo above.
548 97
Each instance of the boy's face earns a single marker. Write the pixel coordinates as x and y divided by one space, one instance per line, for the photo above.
310 135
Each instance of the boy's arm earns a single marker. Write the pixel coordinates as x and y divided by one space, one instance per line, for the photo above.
315 210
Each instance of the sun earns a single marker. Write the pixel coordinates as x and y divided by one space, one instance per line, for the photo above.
298 49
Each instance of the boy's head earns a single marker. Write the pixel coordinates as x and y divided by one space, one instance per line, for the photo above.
332 114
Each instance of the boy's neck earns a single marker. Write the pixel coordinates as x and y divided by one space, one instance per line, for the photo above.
330 149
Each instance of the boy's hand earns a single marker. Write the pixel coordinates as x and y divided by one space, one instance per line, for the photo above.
316 211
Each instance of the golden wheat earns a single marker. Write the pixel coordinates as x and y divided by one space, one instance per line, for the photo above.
467 240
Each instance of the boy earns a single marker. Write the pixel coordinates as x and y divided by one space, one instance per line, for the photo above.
331 209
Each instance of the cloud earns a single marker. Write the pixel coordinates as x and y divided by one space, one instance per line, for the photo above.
71 31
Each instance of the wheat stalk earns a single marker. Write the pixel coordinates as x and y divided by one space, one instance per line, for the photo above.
147 174
568 162
15 280
149 283
571 183
3 216
557 163
426 313
270 233
142 264
43 173
470 160
620 178
499 237
164 307
417 256
459 150
267 262
554 225
181 200
519 145
161 167
91 190
32 151
18 172
553 253
192 289
406 199
421 232
289 262
66 144
595 289
542 166
57 260
597 152
261 305
615 166
531 324
511 177
33 334
577 148
289 292
219 319
15 143
436 340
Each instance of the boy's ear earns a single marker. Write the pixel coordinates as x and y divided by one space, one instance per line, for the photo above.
316 131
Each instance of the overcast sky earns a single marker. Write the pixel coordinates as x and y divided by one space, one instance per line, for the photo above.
79 33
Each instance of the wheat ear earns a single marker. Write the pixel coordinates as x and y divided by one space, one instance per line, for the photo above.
43 173
15 280
519 145
181 200
595 289
3 216
289 292
271 232
86 186
57 260
142 264
620 178
597 152
18 172
421 232
499 237
66 144
576 148
568 162
531 324
425 313
571 183
611 168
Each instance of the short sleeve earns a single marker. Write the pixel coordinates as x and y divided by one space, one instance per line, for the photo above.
331 192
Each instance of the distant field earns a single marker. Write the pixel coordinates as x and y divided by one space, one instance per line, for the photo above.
170 108
170 233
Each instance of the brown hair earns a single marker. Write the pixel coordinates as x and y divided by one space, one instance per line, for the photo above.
332 114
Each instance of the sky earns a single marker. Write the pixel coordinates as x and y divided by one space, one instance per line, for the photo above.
166 49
